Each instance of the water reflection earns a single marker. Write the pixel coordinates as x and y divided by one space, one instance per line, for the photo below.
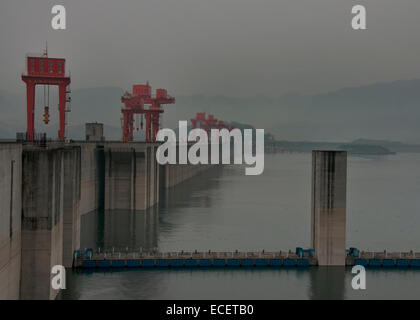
225 210
193 192
326 283
121 229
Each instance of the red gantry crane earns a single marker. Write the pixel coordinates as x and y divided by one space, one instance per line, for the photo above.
136 103
211 122
43 70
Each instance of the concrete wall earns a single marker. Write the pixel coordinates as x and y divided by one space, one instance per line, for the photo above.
43 206
126 175
10 220
45 190
131 176
71 197
173 174
328 219
91 177
132 228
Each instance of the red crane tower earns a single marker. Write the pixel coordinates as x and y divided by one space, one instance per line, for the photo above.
200 121
43 70
135 103
211 122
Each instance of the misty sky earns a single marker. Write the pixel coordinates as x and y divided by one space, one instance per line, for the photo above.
229 47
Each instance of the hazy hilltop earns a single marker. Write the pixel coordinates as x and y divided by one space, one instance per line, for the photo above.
386 111
381 111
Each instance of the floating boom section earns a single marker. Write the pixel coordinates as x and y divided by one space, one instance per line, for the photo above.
141 101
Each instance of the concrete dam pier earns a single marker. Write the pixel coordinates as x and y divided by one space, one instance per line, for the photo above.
328 217
45 189
10 219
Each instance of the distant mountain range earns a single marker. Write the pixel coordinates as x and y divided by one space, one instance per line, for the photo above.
372 147
381 111
394 146
387 111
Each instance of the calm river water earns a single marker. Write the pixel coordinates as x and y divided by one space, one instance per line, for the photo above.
223 209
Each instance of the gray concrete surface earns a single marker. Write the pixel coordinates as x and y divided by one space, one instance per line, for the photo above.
10 219
94 131
44 191
42 220
328 218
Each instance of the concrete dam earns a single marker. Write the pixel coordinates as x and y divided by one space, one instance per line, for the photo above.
45 189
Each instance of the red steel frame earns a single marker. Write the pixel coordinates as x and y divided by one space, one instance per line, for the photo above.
211 122
53 74
134 103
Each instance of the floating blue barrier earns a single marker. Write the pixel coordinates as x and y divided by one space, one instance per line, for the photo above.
276 263
89 264
388 263
162 263
133 263
219 263
402 263
191 263
303 263
78 253
415 263
177 263
374 263
301 252
354 252
261 262
118 264
289 262
247 263
360 262
104 263
148 263
205 263
234 263
89 253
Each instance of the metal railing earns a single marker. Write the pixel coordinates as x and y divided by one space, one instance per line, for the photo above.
141 253
40 139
